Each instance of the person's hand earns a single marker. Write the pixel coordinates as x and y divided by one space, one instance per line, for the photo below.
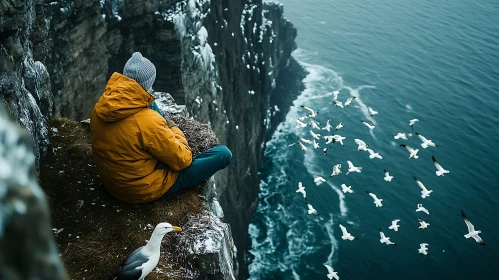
170 123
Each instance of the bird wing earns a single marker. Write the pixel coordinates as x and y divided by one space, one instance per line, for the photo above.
128 269
302 146
420 184
471 227
350 164
310 207
329 268
382 235
343 230
478 239
437 165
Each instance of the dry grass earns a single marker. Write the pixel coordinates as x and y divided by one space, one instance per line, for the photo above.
98 230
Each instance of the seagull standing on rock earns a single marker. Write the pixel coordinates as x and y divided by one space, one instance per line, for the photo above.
471 230
424 191
440 170
143 260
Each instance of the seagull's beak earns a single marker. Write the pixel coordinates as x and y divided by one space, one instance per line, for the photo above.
177 229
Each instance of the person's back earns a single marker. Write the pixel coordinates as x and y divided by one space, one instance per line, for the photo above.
129 139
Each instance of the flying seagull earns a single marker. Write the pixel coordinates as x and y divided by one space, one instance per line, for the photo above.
413 121
362 145
319 180
302 146
338 104
385 239
143 260
335 94
325 151
305 140
328 126
311 209
346 189
413 153
346 235
400 136
423 250
394 225
369 125
312 112
377 201
352 168
329 139
314 124
336 170
315 135
349 100
315 145
471 230
301 189
300 124
424 191
371 111
339 126
387 178
339 138
425 141
420 208
440 170
331 273
423 224
372 154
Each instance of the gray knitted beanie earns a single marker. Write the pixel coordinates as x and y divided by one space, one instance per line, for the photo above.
141 70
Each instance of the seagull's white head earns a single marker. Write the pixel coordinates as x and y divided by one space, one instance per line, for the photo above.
164 228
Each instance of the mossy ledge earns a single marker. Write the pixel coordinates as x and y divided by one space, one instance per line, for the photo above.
95 232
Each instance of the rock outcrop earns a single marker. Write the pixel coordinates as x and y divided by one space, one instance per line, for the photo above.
27 247
220 58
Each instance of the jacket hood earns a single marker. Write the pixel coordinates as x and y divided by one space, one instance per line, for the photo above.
122 97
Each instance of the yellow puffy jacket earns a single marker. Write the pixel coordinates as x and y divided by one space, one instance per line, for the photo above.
128 140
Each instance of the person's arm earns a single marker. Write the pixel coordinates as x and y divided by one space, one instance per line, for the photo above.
169 146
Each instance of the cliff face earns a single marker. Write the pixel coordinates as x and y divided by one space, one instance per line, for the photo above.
220 58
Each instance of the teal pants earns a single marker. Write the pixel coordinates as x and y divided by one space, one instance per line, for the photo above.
203 166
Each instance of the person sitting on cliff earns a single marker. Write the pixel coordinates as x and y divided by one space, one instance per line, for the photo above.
130 139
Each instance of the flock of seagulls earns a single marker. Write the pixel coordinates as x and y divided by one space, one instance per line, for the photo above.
309 121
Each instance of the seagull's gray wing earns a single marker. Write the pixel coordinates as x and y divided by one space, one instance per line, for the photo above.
128 269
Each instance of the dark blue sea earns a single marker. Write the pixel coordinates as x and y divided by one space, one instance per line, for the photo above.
437 61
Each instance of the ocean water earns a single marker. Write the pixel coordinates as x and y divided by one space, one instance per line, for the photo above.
437 61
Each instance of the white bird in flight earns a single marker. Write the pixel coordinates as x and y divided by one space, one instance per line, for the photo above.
369 125
346 235
329 139
312 112
311 209
339 126
394 225
305 140
315 135
346 189
302 146
302 118
349 100
352 168
336 170
377 201
301 189
362 145
315 145
413 121
413 153
325 151
400 135
471 230
423 249
300 124
440 170
335 94
372 154
425 141
339 138
314 124
319 180
371 111
424 191
423 224
420 208
338 104
331 273
387 178
328 126
385 239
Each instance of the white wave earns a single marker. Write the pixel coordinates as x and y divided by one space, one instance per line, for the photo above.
362 106
334 243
